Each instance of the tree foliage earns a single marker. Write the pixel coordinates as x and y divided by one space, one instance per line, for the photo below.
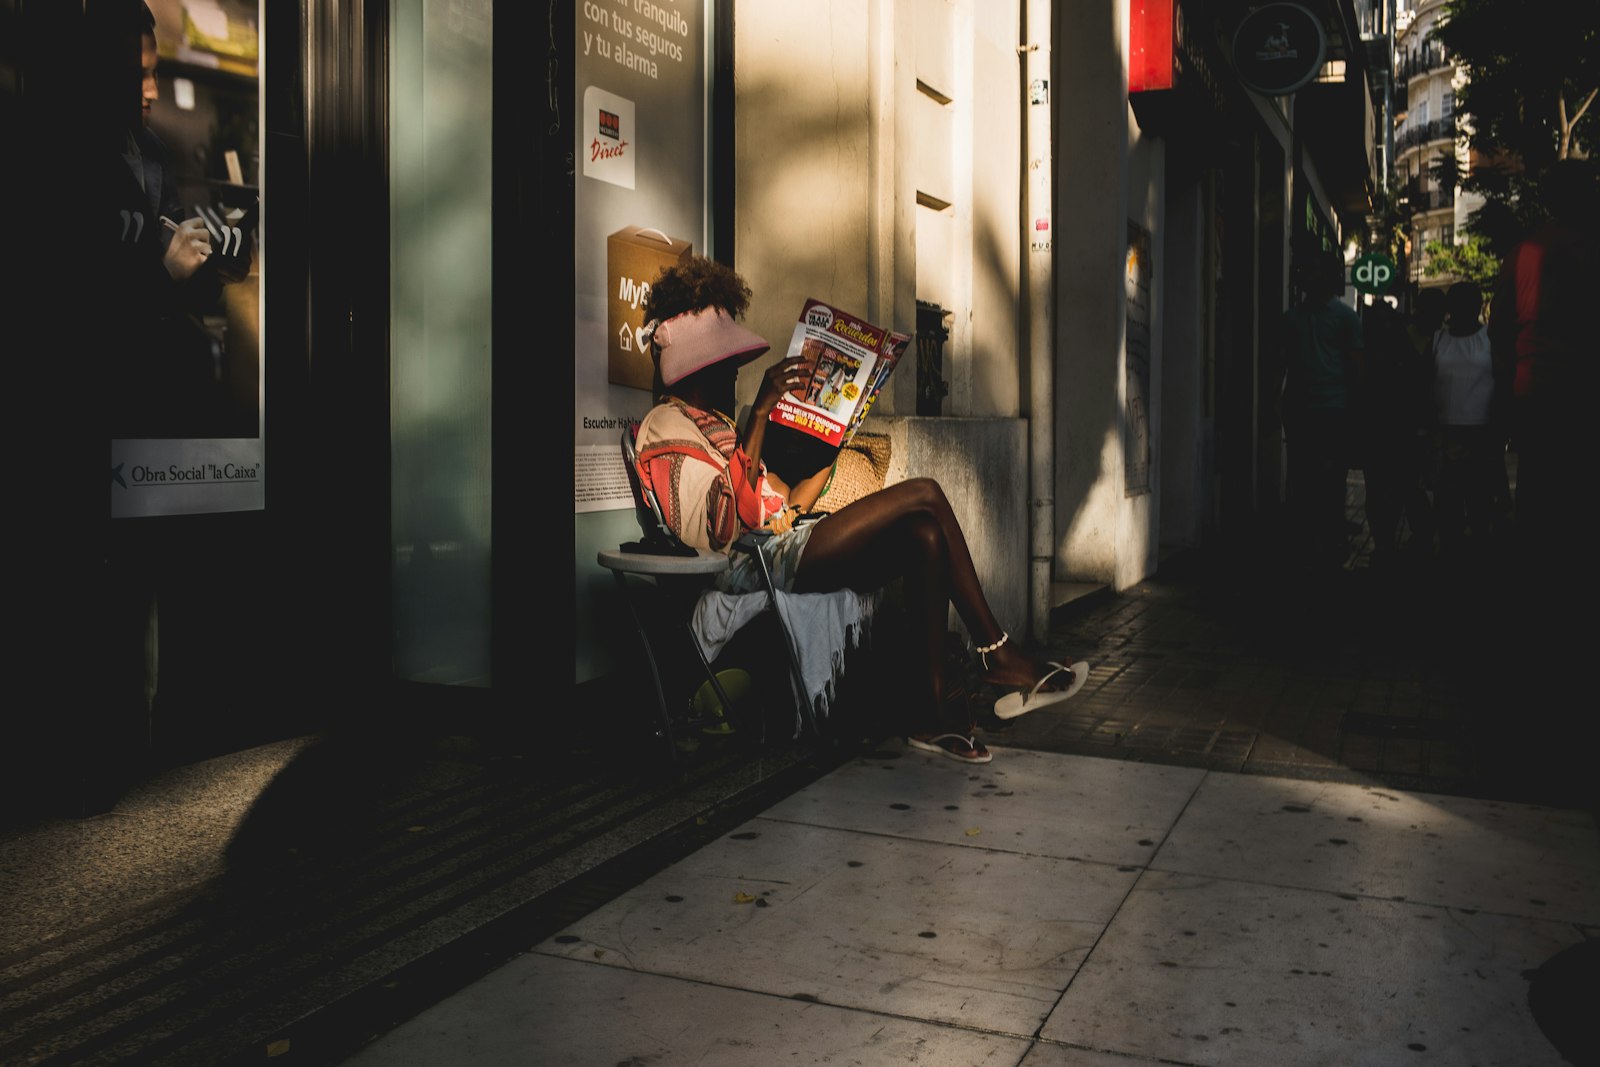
1387 223
1533 72
1532 76
1470 261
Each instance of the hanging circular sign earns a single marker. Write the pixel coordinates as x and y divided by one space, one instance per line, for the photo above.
1278 48
1373 273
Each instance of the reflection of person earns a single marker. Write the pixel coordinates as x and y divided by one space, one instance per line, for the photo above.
714 486
1322 352
166 377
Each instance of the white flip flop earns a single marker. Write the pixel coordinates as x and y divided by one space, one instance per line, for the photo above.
959 747
1013 704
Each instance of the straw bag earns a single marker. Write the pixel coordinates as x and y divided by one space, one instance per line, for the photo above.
861 468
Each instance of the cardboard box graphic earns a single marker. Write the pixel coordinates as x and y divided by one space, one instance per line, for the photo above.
635 255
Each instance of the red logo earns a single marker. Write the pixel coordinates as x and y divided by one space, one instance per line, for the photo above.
610 125
598 150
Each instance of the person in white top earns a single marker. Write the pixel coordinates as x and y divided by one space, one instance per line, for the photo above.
1467 399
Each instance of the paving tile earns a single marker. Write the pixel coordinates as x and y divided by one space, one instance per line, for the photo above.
1277 750
1516 859
542 1010
1362 753
945 933
1045 1054
1069 807
1170 716
1402 755
1215 971
1450 759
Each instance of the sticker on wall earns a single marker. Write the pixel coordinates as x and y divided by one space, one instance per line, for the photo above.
608 137
1040 242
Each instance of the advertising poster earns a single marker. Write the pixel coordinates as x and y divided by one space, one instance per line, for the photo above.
182 204
640 204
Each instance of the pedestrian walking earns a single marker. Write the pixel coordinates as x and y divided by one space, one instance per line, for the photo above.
1322 351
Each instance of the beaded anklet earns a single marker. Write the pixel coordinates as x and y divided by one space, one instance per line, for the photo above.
984 650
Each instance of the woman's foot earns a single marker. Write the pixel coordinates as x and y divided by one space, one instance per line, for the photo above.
1059 683
1008 667
1032 684
963 748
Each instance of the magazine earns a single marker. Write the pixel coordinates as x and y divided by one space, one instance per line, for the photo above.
849 360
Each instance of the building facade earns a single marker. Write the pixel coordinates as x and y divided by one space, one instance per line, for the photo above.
1431 157
1110 258
1095 206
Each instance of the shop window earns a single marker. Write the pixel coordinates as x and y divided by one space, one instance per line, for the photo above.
442 238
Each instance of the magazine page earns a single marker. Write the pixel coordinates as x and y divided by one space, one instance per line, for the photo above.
893 348
847 362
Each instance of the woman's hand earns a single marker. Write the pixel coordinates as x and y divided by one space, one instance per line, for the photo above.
781 377
786 375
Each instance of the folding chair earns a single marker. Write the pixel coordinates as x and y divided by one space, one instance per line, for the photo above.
681 575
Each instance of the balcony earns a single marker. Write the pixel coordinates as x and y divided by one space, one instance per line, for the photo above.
1418 199
1425 60
1425 133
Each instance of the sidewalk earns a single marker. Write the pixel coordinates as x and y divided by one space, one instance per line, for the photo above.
1051 909
1286 821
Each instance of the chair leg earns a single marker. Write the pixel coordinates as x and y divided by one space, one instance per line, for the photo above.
665 731
801 698
705 665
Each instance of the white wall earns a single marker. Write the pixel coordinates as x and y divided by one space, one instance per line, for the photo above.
967 152
1091 212
833 143
806 127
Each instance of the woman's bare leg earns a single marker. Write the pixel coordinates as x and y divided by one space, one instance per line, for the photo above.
907 530
889 534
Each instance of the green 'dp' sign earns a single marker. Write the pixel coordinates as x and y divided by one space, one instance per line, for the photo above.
1372 273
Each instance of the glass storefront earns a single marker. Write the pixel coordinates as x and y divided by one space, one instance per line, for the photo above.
441 358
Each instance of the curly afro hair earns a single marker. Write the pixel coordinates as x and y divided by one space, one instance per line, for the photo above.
696 282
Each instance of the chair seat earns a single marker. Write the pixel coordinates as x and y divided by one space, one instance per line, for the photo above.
649 563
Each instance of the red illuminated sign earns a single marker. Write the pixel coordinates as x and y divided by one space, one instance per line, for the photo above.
1152 36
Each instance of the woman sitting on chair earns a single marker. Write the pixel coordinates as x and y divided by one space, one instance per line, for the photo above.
713 486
